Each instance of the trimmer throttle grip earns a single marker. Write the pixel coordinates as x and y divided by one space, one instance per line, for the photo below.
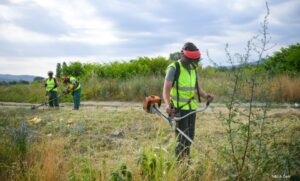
207 103
171 115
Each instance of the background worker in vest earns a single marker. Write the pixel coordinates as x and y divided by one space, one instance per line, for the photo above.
73 86
51 90
179 94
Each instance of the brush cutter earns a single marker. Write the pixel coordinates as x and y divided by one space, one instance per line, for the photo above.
152 105
43 104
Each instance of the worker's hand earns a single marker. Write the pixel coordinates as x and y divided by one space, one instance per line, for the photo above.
210 97
170 109
66 91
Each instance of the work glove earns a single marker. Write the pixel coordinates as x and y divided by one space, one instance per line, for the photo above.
170 109
209 97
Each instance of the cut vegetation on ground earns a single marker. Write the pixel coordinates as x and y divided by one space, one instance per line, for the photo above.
124 143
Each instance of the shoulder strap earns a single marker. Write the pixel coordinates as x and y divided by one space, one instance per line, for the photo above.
197 86
177 72
176 77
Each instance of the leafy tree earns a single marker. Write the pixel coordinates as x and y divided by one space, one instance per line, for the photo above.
58 70
287 60
38 79
75 69
65 70
175 56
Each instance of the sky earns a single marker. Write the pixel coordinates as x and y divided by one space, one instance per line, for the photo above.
37 34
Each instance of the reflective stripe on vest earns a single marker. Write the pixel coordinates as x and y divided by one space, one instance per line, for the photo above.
186 89
50 85
71 84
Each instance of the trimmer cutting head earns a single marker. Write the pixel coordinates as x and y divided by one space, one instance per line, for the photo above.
150 102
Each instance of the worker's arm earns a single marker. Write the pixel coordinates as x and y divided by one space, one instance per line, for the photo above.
55 83
209 97
166 91
166 96
75 84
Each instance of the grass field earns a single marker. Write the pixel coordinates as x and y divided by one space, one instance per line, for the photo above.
120 143
281 88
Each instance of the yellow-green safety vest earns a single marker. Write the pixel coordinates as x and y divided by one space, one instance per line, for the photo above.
186 88
50 84
71 84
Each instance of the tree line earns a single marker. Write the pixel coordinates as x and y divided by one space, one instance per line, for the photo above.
284 61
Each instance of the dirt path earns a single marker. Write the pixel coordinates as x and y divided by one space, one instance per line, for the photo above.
278 109
83 104
127 104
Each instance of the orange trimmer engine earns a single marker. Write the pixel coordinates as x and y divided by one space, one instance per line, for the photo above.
150 102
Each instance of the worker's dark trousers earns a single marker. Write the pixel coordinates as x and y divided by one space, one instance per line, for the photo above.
187 125
76 98
53 99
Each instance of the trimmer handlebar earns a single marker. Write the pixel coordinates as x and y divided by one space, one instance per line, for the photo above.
193 112
152 105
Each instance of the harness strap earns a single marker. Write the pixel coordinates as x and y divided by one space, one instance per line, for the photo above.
177 72
197 85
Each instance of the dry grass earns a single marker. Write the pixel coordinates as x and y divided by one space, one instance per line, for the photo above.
46 161
93 142
285 88
282 88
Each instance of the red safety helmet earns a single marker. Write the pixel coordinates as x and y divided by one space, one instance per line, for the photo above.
190 51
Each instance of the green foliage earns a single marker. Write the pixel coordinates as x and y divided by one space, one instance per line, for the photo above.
118 70
65 69
24 82
20 139
128 90
74 69
58 70
287 60
156 165
85 171
38 79
121 174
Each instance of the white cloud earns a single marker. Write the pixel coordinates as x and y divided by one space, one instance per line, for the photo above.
80 16
37 65
8 14
14 33
122 30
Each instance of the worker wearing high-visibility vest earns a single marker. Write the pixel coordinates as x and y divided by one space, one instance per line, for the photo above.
51 90
74 87
180 88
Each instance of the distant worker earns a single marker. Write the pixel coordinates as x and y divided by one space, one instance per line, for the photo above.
73 86
51 90
180 87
